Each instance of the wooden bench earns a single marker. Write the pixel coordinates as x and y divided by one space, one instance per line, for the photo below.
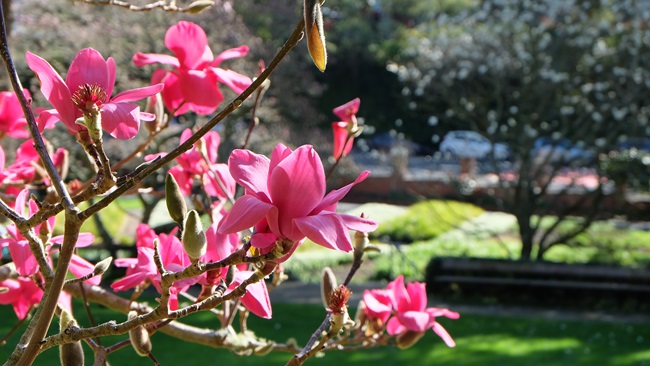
519 281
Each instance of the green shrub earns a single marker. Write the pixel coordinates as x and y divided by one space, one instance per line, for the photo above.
426 220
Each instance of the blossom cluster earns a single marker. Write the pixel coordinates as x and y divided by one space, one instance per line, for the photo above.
284 200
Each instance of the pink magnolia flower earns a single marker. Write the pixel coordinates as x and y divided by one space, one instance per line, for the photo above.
348 111
24 169
142 269
345 130
12 119
87 89
220 246
23 293
22 255
411 314
378 305
191 165
287 195
193 82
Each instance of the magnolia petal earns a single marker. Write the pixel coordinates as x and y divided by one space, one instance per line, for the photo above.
357 223
315 33
394 326
129 281
417 295
213 185
199 88
442 333
23 258
347 110
12 293
142 59
53 88
256 298
121 120
297 185
377 304
401 301
236 52
81 267
327 230
172 95
234 80
342 145
416 320
336 195
219 246
244 214
88 67
189 43
250 170
263 240
137 94
111 69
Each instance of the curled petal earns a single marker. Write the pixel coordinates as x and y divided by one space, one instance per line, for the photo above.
81 267
342 145
236 52
137 94
336 195
442 333
141 59
235 81
347 110
256 298
416 320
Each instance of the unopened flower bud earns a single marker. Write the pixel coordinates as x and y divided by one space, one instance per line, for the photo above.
102 266
193 238
230 275
198 6
175 201
156 107
408 339
139 337
360 240
70 354
327 286
265 349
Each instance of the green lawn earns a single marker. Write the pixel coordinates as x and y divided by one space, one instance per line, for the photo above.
482 340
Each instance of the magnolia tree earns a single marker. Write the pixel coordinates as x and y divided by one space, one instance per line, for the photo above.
233 263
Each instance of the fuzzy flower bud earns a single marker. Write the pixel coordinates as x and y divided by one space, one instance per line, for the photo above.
327 286
194 240
102 266
139 337
175 201
198 6
70 354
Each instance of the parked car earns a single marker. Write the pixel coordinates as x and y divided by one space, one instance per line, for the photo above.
470 144
641 144
561 151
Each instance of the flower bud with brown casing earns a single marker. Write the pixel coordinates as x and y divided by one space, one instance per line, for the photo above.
193 238
175 202
139 337
327 286
70 354
408 339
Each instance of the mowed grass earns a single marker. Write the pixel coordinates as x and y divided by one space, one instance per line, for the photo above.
481 340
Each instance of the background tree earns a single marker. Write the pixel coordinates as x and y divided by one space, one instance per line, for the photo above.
516 71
